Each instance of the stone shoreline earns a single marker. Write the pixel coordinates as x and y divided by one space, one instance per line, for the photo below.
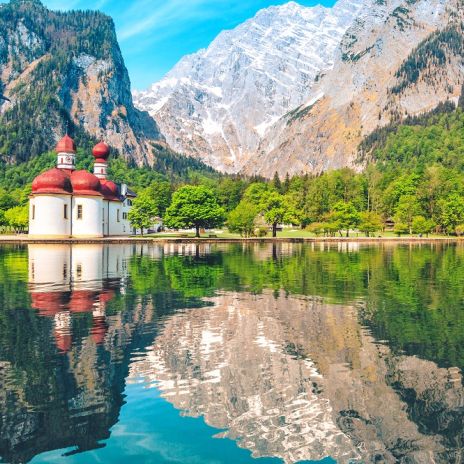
18 239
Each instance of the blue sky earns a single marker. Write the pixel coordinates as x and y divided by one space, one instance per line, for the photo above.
155 34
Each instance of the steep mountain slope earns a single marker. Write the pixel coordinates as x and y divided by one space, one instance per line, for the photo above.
65 69
218 103
399 58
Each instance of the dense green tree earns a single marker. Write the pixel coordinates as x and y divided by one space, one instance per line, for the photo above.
407 208
242 219
422 226
161 194
144 210
194 206
273 207
17 218
230 192
370 223
346 216
276 183
451 212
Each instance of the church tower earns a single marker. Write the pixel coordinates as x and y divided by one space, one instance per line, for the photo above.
66 153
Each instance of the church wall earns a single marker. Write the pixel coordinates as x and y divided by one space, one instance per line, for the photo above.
48 218
91 223
121 227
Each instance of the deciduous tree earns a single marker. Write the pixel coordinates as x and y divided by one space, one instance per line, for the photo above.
194 206
143 211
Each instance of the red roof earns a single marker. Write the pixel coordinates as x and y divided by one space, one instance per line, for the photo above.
66 145
101 152
63 341
52 181
85 183
109 189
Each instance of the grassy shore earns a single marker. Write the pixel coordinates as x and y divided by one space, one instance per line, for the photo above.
223 236
296 234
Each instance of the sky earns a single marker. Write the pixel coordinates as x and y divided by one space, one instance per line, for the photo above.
155 34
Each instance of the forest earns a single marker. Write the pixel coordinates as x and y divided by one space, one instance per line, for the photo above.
409 177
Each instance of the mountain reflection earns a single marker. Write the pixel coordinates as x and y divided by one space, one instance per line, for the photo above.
293 351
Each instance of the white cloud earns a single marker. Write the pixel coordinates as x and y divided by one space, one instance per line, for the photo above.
143 16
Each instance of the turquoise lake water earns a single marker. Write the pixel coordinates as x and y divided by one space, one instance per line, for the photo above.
256 353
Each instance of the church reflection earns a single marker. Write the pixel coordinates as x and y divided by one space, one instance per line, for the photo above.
68 396
66 280
284 375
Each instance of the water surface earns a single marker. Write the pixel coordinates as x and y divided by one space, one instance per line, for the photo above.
216 354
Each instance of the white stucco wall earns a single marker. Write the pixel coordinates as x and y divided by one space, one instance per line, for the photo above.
121 227
49 215
91 224
99 217
116 258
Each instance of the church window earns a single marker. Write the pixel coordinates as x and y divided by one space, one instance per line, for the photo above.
79 271
65 212
117 215
33 211
79 211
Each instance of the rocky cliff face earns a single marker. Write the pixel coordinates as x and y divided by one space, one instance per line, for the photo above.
297 89
218 103
399 58
65 69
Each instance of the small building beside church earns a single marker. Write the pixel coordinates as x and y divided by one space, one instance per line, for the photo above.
66 202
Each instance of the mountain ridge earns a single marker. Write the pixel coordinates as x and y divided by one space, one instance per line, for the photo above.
64 71
341 104
217 103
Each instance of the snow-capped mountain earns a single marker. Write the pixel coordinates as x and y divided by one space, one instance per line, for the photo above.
386 70
219 103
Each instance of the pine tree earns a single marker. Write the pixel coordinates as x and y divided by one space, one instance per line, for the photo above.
276 182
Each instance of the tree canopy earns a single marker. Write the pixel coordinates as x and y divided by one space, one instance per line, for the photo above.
194 206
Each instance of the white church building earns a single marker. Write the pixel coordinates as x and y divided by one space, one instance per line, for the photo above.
69 203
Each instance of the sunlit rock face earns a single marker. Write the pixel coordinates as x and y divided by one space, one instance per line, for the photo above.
357 95
296 89
59 66
216 104
300 379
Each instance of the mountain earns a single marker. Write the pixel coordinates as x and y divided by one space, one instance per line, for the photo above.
297 89
217 104
399 59
65 71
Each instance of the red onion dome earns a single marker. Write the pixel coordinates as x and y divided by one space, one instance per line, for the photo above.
101 152
85 183
52 181
66 145
109 189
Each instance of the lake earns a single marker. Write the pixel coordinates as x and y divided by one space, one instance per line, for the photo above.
238 353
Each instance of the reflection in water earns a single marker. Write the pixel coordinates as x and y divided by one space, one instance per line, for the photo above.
298 379
296 352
